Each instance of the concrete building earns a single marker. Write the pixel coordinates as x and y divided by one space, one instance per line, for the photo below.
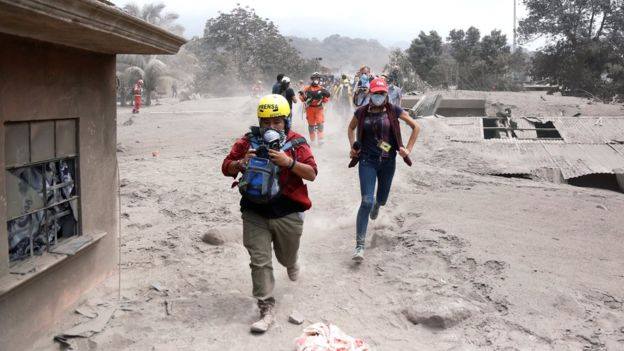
58 187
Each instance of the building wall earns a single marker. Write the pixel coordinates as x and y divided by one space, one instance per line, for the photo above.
44 81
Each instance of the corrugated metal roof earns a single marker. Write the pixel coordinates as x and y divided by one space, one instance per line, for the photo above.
522 123
574 160
590 130
587 147
465 129
619 148
577 130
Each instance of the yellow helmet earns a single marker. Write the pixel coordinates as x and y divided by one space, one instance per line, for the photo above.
273 105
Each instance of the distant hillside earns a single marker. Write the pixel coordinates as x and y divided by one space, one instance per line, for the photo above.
344 54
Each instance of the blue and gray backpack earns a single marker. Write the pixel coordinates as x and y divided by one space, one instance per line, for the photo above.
260 180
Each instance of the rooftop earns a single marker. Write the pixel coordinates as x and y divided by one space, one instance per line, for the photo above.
91 25
587 145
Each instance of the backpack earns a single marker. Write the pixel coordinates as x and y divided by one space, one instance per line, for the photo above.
260 181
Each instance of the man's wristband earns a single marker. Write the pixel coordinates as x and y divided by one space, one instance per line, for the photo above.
292 165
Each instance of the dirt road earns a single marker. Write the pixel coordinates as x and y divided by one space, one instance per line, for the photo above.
507 264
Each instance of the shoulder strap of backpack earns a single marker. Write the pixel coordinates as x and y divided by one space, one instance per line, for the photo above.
254 136
360 114
293 143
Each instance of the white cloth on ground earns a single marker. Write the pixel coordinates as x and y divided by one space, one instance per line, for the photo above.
328 337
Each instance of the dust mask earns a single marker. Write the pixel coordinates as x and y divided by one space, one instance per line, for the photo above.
378 99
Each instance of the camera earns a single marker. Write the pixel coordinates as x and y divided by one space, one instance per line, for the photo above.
271 140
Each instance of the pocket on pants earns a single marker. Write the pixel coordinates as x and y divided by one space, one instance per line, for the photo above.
301 216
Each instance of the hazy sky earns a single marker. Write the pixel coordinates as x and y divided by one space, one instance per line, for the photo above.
390 22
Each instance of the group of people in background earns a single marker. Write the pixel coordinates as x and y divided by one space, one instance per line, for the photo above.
273 161
345 94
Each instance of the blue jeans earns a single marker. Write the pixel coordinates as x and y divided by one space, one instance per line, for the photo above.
371 171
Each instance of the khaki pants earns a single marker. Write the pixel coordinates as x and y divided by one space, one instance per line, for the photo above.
258 234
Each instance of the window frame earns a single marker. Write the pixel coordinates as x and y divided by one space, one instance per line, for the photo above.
75 158
490 132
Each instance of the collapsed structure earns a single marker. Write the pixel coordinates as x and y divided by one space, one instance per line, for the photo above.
58 188
585 151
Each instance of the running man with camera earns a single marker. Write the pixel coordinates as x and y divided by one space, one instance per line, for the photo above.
273 161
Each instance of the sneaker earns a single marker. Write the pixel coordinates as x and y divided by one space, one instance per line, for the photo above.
293 272
265 322
375 211
358 255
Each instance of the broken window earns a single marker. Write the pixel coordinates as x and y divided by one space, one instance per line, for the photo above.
41 185
546 130
522 129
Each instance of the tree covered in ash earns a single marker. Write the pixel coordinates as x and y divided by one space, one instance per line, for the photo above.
401 69
483 63
344 54
239 48
585 50
467 60
159 72
154 13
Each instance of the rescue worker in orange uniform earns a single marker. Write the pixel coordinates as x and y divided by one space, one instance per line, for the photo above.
314 96
138 92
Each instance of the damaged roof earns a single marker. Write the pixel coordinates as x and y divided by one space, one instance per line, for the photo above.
91 25
590 145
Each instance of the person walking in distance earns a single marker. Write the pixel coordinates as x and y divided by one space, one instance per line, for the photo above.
276 86
137 92
375 137
288 93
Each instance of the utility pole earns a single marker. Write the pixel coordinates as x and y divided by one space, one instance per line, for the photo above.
515 31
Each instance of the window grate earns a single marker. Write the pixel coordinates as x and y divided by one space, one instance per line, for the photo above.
507 128
42 196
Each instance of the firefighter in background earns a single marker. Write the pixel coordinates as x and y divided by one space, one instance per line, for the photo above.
137 92
314 96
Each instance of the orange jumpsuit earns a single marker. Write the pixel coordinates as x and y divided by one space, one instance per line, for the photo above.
314 111
138 89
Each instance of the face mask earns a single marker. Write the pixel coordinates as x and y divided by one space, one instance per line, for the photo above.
273 136
315 82
378 99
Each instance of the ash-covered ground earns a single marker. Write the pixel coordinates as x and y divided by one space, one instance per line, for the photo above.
456 261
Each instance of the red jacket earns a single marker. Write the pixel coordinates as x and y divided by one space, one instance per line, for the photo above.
292 185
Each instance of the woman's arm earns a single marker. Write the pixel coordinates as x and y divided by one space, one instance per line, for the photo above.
351 130
415 130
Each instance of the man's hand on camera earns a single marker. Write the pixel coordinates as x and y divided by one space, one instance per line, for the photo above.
280 158
243 162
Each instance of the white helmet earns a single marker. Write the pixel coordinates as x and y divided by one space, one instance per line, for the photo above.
285 80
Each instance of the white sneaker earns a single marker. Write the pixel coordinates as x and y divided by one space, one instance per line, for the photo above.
358 255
